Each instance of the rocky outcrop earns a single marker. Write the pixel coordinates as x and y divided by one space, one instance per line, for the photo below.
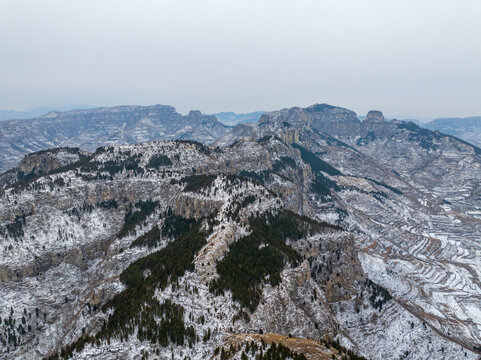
193 207
312 350
375 125
337 268
374 116
42 163
334 120
320 117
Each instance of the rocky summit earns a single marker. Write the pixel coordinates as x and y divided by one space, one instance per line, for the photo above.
308 235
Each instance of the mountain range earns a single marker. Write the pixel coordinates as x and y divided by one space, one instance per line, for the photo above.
91 128
35 112
468 128
309 234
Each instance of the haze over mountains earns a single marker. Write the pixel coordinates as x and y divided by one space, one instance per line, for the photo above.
38 111
93 127
231 118
306 226
468 128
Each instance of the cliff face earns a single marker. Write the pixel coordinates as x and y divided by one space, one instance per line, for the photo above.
436 176
309 224
46 161
321 117
91 128
42 163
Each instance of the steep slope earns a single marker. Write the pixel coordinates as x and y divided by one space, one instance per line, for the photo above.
91 128
419 230
62 255
169 249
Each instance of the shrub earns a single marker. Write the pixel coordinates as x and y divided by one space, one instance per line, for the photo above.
158 160
195 183
134 218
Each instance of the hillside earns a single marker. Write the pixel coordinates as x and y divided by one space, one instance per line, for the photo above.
468 129
309 232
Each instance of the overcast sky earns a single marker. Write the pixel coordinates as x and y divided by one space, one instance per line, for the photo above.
417 58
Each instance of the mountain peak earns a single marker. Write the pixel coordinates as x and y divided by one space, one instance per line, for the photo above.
320 107
374 116
195 113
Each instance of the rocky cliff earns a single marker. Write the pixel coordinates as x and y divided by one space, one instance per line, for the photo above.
310 234
91 128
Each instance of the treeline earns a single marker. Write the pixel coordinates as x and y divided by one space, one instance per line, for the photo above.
156 161
108 204
393 189
264 176
133 218
283 162
169 263
315 162
136 308
379 295
261 177
174 226
115 166
195 183
151 238
322 185
164 324
260 257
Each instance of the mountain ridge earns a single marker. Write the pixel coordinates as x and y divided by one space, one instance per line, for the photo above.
468 128
308 224
91 128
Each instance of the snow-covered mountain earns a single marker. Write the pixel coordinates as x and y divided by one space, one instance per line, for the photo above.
468 128
308 235
91 128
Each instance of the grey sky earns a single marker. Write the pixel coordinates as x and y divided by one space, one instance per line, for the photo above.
412 58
